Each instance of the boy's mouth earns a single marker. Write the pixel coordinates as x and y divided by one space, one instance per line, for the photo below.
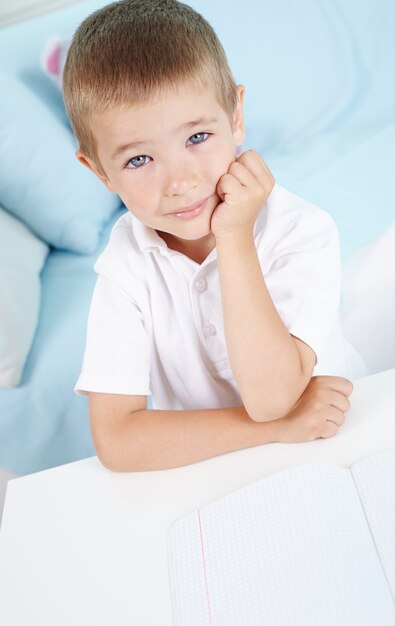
191 211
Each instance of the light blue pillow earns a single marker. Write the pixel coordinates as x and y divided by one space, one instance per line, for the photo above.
41 181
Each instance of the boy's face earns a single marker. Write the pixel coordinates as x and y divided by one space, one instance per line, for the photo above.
179 145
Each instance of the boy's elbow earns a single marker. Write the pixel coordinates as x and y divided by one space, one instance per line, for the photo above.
105 452
114 463
115 432
262 408
262 415
108 460
115 456
110 456
269 411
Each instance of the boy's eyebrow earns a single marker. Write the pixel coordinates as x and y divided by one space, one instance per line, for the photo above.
134 144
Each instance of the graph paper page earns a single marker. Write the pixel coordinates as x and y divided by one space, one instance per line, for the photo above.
375 481
186 571
293 548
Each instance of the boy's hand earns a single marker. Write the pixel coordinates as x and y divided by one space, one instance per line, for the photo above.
319 411
243 190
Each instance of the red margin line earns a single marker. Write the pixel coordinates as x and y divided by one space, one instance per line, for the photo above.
205 571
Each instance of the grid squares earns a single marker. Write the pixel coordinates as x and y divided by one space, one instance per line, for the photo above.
294 547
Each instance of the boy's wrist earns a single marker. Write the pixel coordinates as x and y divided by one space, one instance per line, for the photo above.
267 431
272 432
235 239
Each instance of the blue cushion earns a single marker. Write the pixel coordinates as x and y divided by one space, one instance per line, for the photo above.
21 46
41 181
42 422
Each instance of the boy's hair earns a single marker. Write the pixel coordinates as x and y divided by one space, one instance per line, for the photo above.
127 51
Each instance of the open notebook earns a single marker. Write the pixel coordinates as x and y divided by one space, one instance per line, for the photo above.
309 546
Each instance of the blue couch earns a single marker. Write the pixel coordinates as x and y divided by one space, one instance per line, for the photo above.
320 108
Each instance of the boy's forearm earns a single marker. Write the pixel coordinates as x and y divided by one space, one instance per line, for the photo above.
264 357
155 439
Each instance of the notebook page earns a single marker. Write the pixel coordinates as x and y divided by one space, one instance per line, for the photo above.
294 548
375 480
186 572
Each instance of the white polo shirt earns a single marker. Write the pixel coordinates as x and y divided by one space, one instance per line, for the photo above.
155 324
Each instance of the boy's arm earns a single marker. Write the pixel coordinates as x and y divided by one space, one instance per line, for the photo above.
270 366
128 437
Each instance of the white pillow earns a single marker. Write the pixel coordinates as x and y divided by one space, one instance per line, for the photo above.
22 256
368 316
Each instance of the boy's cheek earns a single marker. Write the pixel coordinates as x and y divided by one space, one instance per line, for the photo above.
226 162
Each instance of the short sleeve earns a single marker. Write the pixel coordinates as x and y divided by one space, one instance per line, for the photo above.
304 277
117 351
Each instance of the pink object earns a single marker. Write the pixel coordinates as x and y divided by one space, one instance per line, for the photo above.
52 61
53 57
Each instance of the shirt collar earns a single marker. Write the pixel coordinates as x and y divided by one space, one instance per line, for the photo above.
148 240
146 237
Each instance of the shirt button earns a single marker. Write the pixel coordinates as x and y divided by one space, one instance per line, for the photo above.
209 330
201 285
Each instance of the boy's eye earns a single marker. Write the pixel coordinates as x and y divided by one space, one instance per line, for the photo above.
198 138
143 159
138 161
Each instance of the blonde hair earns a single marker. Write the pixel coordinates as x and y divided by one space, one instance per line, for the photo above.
127 51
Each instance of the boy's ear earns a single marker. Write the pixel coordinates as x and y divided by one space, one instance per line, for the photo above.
238 116
93 167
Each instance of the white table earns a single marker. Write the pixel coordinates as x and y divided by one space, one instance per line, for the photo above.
80 545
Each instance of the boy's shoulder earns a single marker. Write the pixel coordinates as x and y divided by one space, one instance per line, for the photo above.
123 260
286 204
289 220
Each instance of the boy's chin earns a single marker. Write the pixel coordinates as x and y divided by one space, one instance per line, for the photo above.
186 236
203 236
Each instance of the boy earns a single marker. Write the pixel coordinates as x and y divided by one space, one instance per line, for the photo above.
218 291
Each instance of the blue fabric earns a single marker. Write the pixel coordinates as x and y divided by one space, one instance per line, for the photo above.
41 181
42 422
21 46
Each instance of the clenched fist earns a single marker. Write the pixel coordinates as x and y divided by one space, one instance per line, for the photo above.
243 190
319 411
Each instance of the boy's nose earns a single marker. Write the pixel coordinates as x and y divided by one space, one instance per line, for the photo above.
179 180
